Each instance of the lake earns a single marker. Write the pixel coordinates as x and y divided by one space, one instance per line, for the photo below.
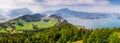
96 23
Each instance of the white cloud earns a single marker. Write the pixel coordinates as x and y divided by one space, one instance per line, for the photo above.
6 4
73 2
98 9
9 4
14 4
41 5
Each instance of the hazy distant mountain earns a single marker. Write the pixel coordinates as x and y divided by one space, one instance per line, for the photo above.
82 15
1 16
19 12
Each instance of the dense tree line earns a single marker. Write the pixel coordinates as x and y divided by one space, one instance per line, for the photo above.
62 33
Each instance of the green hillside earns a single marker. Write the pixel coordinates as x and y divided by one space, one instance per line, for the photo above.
29 22
39 24
53 29
62 33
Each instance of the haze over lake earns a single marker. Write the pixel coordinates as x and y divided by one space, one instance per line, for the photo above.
96 23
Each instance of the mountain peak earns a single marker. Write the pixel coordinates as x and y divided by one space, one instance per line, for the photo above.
64 9
58 18
54 16
14 13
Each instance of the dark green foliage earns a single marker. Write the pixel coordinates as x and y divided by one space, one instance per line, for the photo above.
83 34
45 20
54 16
3 25
35 26
56 34
61 33
99 36
20 24
31 18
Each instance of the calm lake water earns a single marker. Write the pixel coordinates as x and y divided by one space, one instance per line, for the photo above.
96 23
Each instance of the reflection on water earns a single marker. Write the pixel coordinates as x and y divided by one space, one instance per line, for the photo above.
96 23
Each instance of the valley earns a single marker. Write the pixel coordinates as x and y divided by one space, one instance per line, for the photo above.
38 28
59 21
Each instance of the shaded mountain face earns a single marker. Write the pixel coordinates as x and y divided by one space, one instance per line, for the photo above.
82 15
29 22
19 12
1 16
31 18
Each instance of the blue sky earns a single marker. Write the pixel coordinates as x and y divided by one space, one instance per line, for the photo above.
115 2
102 6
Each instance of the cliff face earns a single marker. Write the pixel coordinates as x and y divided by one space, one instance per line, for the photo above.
58 18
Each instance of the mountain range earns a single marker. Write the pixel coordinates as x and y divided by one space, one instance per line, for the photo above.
67 13
51 27
14 13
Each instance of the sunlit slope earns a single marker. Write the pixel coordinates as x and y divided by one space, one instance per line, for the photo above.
31 22
40 24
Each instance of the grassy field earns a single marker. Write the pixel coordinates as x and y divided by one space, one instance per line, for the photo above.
40 24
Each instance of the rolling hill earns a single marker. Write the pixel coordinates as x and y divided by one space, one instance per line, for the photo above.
29 22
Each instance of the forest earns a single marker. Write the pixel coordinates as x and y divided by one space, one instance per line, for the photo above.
62 33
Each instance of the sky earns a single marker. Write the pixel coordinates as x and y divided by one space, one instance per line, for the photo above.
101 6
